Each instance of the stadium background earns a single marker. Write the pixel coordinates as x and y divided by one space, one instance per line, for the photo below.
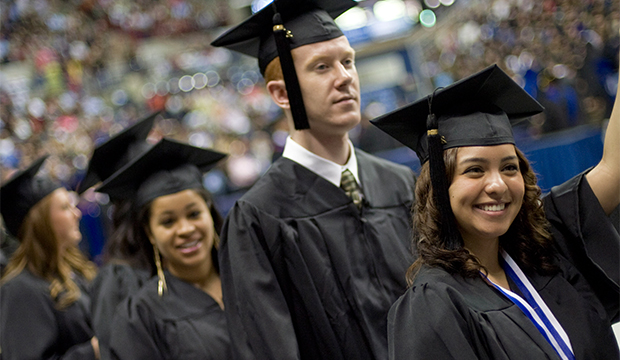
73 73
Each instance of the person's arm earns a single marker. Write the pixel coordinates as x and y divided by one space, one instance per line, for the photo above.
132 333
604 178
258 317
104 299
424 324
113 284
94 342
29 329
582 230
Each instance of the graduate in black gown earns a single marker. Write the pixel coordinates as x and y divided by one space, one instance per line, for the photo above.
500 273
44 303
311 258
127 261
179 313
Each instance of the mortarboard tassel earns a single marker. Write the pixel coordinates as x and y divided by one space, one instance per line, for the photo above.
281 35
439 181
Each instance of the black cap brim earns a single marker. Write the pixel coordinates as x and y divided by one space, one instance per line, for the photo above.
246 37
112 155
23 191
484 92
166 155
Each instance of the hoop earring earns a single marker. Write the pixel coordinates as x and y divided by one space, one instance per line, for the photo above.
161 283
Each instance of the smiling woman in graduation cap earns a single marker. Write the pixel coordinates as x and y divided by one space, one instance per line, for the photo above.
502 274
179 313
44 305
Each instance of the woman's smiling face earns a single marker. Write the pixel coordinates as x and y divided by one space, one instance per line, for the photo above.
486 192
182 228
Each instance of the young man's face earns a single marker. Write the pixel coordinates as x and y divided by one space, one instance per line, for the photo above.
329 84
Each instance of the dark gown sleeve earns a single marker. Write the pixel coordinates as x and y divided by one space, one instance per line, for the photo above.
426 324
133 336
586 237
258 317
112 285
29 328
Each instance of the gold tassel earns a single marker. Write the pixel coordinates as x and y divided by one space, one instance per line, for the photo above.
161 284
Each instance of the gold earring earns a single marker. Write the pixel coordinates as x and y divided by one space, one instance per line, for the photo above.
161 283
216 240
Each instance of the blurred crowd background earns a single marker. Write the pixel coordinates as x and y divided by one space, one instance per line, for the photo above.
74 73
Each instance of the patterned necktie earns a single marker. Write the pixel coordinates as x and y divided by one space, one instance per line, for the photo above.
351 188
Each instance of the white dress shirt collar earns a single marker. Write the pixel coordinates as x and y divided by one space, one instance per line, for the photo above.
326 169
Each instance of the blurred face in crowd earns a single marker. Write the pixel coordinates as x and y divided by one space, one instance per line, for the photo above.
329 84
487 191
182 228
65 217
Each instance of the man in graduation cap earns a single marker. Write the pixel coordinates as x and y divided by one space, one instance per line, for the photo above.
315 253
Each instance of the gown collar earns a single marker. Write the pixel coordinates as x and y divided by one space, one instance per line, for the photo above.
534 307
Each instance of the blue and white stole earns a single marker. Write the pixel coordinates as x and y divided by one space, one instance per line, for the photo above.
534 307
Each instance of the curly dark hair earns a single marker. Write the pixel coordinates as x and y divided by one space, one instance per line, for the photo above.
528 240
123 246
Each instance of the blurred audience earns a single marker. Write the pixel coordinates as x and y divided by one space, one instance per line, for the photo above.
73 74
563 52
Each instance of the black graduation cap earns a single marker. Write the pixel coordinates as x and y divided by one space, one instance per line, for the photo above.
112 155
166 168
23 191
280 27
475 111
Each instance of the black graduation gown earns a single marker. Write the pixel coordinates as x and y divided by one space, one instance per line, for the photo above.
185 323
31 327
449 317
114 283
305 274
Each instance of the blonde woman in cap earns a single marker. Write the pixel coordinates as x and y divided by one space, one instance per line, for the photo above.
44 306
